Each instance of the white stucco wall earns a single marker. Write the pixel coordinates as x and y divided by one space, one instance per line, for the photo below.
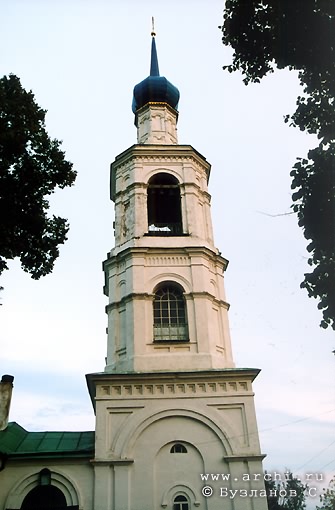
73 477
139 419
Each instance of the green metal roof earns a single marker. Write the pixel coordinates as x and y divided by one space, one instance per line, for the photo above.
16 441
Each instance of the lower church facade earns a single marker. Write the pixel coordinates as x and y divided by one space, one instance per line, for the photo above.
161 441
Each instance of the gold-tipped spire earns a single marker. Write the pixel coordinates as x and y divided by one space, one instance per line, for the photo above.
153 33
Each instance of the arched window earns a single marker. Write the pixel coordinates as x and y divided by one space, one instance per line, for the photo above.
178 448
164 206
170 322
180 503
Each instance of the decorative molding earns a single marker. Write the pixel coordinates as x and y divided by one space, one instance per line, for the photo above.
175 389
244 458
181 488
128 298
62 481
167 261
199 383
190 253
153 152
207 295
177 158
235 414
127 188
111 462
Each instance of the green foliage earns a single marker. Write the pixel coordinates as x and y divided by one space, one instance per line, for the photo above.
327 499
301 36
286 501
31 167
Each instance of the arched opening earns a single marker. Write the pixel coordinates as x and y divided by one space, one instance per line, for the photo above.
44 497
180 503
164 206
169 309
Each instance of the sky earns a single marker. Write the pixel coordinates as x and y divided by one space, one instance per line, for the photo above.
82 59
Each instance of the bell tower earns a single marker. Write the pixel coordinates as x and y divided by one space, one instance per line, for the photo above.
164 278
170 404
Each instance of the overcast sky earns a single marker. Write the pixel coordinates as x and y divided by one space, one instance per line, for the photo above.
82 59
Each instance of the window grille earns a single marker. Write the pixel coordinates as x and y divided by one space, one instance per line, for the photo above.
180 503
178 448
170 315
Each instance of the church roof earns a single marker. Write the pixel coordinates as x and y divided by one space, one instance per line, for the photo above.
155 88
16 441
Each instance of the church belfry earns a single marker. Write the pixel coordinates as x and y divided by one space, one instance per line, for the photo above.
170 404
164 278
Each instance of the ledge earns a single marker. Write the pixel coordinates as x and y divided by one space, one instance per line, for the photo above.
241 458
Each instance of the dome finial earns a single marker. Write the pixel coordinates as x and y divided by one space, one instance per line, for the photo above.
155 88
154 69
153 33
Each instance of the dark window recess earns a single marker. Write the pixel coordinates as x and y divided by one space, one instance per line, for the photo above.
178 448
45 497
164 206
170 322
180 503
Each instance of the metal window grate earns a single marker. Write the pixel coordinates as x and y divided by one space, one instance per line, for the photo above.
170 315
180 503
178 448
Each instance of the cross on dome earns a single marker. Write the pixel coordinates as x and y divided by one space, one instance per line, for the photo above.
154 88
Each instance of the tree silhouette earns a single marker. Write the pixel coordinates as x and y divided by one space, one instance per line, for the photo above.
32 166
271 34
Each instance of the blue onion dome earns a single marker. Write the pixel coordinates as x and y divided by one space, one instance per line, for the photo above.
155 88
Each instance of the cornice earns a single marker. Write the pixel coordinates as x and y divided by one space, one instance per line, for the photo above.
186 384
244 458
146 296
153 152
126 299
165 253
149 153
111 462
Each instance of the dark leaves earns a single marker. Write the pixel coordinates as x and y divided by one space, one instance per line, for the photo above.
279 494
32 166
300 36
